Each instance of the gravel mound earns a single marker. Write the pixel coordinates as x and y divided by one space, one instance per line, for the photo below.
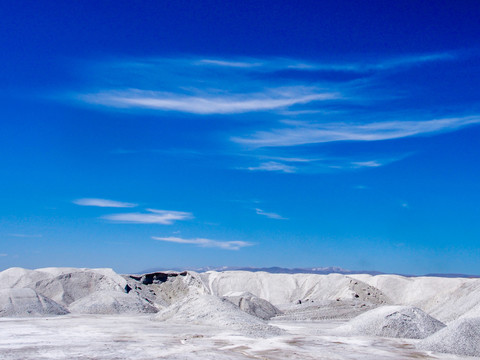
26 302
393 321
211 310
111 302
252 305
461 337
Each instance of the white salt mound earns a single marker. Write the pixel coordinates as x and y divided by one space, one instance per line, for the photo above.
26 302
392 321
280 289
111 302
211 310
21 278
72 286
461 337
252 305
324 310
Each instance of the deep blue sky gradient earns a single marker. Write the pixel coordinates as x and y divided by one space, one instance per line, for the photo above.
70 74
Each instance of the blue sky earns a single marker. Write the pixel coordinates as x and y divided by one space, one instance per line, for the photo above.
169 134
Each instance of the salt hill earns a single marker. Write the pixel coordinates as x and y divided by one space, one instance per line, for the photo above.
437 310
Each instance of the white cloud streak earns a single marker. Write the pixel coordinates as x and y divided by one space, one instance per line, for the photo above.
273 166
285 88
163 217
302 133
385 64
415 60
370 163
207 103
323 164
226 86
270 215
226 245
228 63
103 203
3 255
285 63
291 159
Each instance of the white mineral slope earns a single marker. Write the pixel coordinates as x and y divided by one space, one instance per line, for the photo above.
281 289
111 302
474 312
461 337
56 271
16 277
220 313
446 299
63 285
324 310
253 305
19 302
20 277
177 288
392 321
69 287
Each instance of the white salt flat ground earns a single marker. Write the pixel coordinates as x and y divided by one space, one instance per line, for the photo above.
89 337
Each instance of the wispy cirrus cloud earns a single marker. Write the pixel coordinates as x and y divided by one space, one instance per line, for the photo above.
301 133
293 103
324 163
370 163
226 245
230 85
397 62
153 216
3 255
346 164
270 215
207 103
273 166
361 65
230 63
103 203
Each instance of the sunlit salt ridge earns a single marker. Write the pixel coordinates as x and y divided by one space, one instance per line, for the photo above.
432 315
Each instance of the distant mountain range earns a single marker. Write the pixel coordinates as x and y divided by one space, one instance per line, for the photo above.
313 270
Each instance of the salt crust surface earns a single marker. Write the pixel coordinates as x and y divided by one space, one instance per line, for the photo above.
114 337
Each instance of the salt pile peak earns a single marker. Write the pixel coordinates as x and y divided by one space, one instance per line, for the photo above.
19 302
461 337
393 321
211 310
